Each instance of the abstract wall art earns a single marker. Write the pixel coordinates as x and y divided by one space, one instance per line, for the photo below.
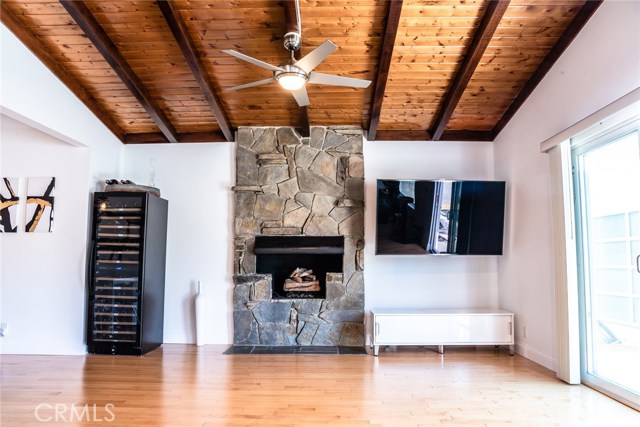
39 211
9 205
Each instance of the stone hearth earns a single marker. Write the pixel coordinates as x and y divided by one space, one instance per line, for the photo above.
259 320
292 186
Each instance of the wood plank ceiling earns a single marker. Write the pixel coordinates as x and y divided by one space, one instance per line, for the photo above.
441 70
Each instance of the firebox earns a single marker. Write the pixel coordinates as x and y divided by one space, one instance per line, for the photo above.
299 264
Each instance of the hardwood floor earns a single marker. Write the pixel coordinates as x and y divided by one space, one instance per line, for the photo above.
183 385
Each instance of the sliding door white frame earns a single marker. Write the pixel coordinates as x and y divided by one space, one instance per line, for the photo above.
568 351
610 131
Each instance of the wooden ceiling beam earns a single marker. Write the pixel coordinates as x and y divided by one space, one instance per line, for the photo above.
290 16
305 129
467 135
291 20
401 135
423 135
192 56
386 53
98 36
488 25
159 138
43 54
572 30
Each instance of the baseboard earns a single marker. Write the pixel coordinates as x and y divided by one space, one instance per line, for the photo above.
536 356
42 348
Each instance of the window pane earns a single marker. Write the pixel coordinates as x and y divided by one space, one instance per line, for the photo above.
614 253
611 280
634 223
610 226
635 251
613 307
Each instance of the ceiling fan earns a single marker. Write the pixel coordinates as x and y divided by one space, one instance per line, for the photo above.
293 75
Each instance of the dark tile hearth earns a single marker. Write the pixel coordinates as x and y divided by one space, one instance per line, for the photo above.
294 349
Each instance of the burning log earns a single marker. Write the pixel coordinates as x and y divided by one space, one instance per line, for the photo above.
303 280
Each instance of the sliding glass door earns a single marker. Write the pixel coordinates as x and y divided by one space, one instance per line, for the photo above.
607 182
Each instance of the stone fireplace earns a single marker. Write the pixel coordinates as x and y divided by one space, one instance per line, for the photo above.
299 218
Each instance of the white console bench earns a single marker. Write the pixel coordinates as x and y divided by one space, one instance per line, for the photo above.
442 327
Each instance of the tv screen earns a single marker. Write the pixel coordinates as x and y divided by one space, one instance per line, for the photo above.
440 217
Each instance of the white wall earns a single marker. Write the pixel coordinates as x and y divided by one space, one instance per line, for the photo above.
30 93
42 276
196 179
42 282
601 65
407 281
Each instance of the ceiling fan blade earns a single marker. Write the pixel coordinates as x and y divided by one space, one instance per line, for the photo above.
330 79
316 56
301 96
252 84
252 60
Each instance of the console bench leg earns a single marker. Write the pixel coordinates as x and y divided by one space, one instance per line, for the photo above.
441 349
376 349
512 349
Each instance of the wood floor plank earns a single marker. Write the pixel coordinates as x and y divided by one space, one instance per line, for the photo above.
182 385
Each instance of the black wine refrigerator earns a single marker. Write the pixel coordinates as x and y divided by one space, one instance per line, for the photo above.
126 273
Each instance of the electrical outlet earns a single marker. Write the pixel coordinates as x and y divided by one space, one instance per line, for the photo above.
524 332
3 329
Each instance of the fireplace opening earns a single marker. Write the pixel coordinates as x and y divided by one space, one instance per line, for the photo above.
299 264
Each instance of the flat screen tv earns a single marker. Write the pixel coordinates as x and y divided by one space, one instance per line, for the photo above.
440 217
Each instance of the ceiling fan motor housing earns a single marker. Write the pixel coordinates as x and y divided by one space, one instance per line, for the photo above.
292 41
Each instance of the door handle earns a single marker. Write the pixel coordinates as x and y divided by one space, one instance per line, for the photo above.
510 328
638 263
377 329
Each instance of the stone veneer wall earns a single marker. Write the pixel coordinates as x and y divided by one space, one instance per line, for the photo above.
288 185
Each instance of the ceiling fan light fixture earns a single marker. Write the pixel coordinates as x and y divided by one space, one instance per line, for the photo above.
292 78
291 82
